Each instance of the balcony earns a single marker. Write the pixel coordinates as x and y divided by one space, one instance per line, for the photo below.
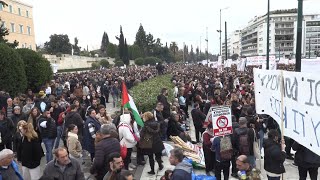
249 44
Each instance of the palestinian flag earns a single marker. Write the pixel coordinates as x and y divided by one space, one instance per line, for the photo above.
127 102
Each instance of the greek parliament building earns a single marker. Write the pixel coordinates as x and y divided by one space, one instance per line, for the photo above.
252 39
17 17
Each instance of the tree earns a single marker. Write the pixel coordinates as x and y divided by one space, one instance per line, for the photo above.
112 50
104 44
192 55
141 39
37 68
198 54
149 44
125 53
95 65
134 51
121 44
58 43
104 63
174 48
118 63
139 61
13 76
76 48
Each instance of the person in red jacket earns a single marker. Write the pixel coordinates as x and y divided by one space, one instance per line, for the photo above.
209 155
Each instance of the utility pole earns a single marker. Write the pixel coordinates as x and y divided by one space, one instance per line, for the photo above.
207 47
226 41
183 51
268 34
299 36
309 47
220 31
200 44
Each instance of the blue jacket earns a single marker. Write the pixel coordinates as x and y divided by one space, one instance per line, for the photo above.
182 171
16 169
88 140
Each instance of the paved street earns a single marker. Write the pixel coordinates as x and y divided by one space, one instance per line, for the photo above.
141 171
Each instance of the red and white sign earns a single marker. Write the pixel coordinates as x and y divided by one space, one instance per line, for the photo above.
221 120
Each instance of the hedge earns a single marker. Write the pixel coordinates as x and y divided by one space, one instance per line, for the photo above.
74 70
145 93
147 60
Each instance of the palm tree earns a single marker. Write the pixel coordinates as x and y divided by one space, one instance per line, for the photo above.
174 48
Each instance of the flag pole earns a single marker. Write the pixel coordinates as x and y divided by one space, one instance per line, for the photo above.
282 122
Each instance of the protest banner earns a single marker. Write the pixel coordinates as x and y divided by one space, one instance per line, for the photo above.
221 120
299 107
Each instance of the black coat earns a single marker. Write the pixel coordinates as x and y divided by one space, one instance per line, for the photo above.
18 117
174 129
166 106
30 153
153 127
274 157
7 129
76 119
51 130
304 157
198 118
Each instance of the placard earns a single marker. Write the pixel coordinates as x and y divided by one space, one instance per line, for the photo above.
221 120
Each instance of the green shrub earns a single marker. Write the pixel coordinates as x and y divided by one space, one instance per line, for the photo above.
38 69
139 61
145 93
12 71
95 65
105 63
118 63
73 70
151 60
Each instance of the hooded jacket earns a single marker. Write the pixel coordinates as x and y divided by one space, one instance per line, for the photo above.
274 157
126 134
304 157
182 171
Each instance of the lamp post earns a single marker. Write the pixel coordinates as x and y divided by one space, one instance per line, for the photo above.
299 36
268 34
220 31
207 47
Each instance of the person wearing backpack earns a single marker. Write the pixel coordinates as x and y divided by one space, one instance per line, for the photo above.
244 138
223 148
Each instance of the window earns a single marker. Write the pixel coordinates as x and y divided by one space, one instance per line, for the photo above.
1 7
10 8
21 29
19 11
27 13
12 27
22 45
30 46
29 30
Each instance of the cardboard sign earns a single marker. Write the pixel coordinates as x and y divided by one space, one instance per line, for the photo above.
300 107
221 120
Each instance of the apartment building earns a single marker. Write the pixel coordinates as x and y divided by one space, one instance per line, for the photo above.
18 18
311 35
233 44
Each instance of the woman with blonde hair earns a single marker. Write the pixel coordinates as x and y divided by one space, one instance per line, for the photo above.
33 119
150 141
30 152
103 116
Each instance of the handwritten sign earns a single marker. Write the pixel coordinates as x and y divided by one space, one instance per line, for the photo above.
301 103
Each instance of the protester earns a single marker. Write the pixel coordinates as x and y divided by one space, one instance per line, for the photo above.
103 149
182 169
167 175
157 114
92 125
198 118
30 152
163 99
73 143
209 154
63 167
103 117
48 132
307 161
175 129
9 169
150 142
6 130
73 117
33 119
115 164
246 170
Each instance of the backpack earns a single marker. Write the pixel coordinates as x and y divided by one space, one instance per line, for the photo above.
226 150
244 148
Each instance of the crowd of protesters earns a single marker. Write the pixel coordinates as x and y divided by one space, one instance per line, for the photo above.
72 109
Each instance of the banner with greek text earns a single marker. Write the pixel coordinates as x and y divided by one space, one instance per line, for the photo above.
301 104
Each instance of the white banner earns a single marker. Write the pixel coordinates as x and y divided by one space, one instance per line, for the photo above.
301 103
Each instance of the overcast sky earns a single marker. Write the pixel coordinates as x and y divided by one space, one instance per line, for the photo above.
169 20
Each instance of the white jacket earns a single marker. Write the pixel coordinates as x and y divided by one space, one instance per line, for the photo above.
125 132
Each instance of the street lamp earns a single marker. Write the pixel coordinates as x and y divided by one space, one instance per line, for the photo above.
268 34
220 31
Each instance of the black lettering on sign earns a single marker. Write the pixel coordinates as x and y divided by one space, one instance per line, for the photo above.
316 93
291 89
311 92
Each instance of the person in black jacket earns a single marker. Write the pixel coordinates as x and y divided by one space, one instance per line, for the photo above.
73 117
306 161
6 129
198 119
30 152
175 129
275 156
166 106
48 131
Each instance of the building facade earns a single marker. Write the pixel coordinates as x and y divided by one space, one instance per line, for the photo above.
233 44
311 35
17 17
282 35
